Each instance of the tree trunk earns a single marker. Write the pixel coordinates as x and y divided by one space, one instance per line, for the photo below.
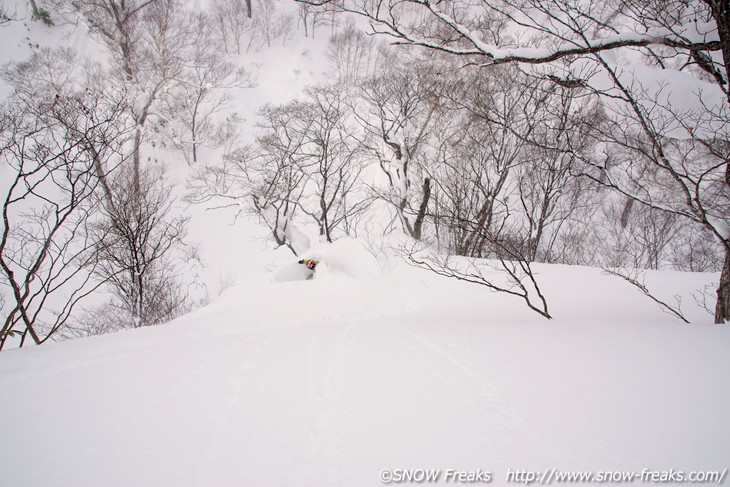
722 310
721 13
136 162
627 212
34 9
418 225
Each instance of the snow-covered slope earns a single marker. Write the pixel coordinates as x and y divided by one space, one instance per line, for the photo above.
329 381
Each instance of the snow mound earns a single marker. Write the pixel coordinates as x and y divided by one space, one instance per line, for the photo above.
293 272
344 257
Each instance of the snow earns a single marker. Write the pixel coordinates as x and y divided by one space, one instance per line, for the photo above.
293 272
327 382
344 256
370 365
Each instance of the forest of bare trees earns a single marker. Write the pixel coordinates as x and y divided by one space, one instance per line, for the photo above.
484 149
84 211
640 142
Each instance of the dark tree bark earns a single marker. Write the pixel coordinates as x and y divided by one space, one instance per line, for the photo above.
418 224
721 12
34 9
722 309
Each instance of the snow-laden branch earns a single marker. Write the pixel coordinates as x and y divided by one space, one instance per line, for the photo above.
498 55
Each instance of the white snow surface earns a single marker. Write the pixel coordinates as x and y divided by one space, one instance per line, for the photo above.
367 366
326 382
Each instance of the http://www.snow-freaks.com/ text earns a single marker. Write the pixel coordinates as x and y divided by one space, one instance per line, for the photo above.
550 476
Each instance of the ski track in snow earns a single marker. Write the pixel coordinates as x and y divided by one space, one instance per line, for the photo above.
325 392
231 404
451 366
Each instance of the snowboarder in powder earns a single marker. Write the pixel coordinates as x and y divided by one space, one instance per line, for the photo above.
310 263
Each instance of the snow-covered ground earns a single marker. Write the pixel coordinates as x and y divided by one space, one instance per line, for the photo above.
372 365
329 381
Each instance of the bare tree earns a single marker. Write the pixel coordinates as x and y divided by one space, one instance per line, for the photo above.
312 17
472 183
353 53
137 243
515 274
568 29
638 236
695 250
508 142
499 189
305 161
118 24
146 39
277 171
233 21
267 179
272 25
398 112
333 161
477 166
55 144
472 212
644 162
201 91
549 193
636 279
